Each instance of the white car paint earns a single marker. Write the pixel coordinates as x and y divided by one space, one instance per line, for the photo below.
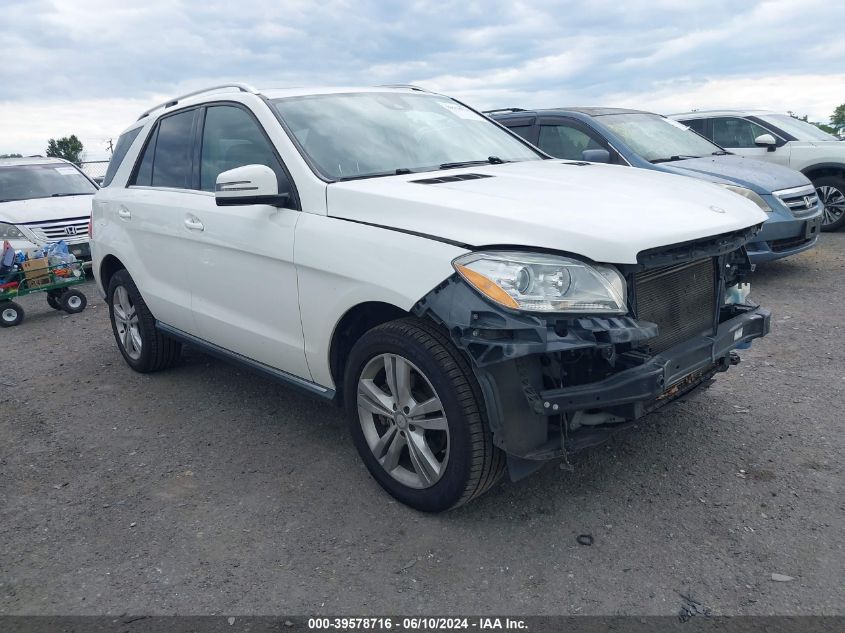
272 284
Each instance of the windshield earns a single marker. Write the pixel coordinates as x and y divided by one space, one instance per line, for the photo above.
658 139
359 135
24 182
801 130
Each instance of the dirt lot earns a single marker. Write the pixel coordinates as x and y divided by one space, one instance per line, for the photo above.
207 489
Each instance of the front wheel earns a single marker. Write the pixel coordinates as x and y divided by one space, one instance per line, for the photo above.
143 347
417 418
11 314
831 190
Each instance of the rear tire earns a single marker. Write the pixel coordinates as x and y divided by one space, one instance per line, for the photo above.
72 301
142 346
11 314
54 299
831 191
451 433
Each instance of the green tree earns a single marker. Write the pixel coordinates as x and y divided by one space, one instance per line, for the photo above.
70 148
11 155
838 118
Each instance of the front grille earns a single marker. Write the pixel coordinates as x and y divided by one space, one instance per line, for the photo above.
71 230
800 200
680 299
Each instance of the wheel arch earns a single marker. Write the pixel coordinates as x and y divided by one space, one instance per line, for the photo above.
824 169
354 323
108 267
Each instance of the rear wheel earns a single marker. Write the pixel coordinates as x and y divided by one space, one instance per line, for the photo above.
417 418
54 299
143 347
11 314
73 301
831 190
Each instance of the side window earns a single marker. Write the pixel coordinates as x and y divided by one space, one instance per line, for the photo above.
563 141
523 130
232 138
119 154
172 160
736 132
144 175
698 125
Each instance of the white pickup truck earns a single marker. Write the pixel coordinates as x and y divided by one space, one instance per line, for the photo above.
476 306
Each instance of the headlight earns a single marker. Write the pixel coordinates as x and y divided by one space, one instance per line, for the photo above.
10 232
544 283
745 192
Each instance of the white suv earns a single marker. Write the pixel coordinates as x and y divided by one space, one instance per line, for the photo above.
475 305
783 139
43 201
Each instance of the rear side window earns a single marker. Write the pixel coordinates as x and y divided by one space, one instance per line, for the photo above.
523 130
699 125
167 160
119 154
232 138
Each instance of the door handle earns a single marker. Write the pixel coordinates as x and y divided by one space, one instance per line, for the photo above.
194 224
124 213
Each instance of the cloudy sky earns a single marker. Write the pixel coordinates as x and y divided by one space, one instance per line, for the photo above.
90 68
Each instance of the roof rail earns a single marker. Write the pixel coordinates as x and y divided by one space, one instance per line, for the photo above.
503 110
172 102
411 86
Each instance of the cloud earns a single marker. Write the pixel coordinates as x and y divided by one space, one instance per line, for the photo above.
82 65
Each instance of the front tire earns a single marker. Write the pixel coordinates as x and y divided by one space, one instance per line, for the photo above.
831 191
143 347
417 418
11 314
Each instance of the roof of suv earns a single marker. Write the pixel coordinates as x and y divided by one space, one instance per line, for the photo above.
701 114
31 160
589 111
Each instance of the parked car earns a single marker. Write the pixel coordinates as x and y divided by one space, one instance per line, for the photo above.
783 139
42 201
651 141
474 305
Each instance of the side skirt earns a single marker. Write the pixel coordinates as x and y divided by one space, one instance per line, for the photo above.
290 380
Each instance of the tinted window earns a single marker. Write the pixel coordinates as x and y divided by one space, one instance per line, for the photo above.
523 130
119 154
172 160
232 138
699 125
563 141
24 182
144 175
736 132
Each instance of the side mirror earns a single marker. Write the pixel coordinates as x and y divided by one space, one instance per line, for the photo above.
766 140
250 184
596 155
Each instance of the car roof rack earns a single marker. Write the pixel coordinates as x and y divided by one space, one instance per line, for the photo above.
503 110
172 102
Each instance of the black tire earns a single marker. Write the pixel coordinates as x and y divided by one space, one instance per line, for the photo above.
54 299
474 464
157 350
11 314
832 189
72 301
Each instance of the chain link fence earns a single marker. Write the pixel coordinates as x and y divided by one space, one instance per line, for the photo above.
95 169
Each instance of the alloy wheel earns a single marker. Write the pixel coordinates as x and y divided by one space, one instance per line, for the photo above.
126 323
403 421
834 203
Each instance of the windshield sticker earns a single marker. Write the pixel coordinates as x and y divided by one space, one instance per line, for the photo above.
67 171
458 110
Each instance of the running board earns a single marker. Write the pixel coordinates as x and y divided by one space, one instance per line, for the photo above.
307 386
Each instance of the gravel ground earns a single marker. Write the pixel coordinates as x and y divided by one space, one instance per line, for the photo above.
207 489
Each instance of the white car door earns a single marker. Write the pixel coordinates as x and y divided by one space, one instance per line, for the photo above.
240 258
149 210
737 135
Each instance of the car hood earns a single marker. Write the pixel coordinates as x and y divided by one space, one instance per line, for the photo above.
603 212
757 175
41 209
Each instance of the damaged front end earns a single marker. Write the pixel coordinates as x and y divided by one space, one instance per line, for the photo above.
554 384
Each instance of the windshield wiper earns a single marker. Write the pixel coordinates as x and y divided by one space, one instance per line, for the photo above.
721 152
62 195
379 174
491 160
671 159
